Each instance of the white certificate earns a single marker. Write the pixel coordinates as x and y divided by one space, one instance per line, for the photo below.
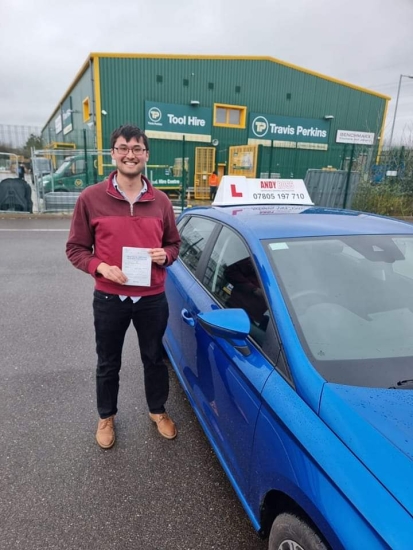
136 265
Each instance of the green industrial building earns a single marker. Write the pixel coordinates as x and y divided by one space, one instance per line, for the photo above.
256 116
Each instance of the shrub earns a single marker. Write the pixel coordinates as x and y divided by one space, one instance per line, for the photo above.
387 199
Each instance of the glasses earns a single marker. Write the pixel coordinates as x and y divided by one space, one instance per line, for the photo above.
124 150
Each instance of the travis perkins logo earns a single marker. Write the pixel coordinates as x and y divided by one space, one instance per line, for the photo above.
260 126
155 116
280 185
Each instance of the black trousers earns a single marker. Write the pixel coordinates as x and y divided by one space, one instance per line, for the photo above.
112 317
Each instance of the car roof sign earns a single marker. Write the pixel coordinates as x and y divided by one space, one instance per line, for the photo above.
239 190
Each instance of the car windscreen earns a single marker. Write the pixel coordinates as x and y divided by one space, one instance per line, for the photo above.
351 301
63 167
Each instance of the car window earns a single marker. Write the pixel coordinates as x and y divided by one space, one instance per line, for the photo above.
64 169
351 299
79 167
232 279
194 236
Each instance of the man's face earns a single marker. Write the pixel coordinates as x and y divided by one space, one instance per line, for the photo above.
132 162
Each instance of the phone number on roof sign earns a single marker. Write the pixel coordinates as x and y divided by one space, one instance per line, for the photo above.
282 196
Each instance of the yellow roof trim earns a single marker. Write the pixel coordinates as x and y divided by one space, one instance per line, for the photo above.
78 76
243 58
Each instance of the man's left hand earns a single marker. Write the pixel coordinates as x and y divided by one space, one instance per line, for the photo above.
158 255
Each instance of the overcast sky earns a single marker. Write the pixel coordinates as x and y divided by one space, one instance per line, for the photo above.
44 43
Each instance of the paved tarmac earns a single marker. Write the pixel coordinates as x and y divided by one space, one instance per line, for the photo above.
58 489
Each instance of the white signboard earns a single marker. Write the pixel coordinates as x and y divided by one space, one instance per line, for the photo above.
237 190
58 124
358 138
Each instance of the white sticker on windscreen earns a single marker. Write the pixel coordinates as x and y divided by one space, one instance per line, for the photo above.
278 246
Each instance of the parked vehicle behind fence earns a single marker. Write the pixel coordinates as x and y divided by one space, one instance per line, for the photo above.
79 171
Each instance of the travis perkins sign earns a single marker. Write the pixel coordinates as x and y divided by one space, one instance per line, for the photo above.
290 129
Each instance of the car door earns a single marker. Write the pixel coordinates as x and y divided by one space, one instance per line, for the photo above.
195 233
224 383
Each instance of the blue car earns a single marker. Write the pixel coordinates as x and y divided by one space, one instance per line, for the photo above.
291 332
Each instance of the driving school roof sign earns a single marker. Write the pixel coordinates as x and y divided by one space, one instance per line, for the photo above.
239 190
177 120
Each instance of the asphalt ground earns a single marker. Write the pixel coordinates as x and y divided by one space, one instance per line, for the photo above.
58 489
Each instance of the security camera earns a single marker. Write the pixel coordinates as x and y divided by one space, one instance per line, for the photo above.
104 112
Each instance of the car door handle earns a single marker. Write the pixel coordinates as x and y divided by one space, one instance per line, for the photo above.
187 317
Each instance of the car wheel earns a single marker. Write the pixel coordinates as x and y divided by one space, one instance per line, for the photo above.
290 532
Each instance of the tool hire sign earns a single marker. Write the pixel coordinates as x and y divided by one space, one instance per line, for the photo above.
237 190
171 118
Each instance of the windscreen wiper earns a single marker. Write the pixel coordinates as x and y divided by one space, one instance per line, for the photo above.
403 385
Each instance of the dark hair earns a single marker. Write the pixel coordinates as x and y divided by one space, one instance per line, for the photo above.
128 131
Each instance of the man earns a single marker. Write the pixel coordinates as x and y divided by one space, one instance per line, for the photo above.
213 184
115 225
21 171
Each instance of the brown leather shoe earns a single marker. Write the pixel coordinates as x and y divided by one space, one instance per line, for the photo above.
105 435
165 425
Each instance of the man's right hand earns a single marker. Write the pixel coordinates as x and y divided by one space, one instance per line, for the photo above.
112 272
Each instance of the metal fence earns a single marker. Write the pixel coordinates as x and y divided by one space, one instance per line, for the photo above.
59 175
335 189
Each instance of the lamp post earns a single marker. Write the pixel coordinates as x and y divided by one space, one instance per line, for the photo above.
397 103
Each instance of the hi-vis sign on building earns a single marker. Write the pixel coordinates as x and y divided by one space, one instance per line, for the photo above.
239 190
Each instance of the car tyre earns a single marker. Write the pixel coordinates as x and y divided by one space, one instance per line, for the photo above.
290 532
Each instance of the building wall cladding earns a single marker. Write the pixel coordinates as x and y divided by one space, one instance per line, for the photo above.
81 90
261 85
264 87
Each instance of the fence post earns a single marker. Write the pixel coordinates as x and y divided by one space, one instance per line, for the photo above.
343 159
183 173
271 153
86 161
348 176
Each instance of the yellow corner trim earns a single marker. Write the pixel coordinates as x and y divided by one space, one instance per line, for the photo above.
98 109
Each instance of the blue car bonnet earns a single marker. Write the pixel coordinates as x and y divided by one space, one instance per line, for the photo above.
377 426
